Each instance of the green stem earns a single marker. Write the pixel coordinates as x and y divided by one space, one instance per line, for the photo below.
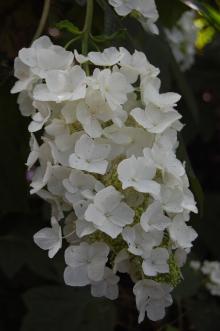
43 19
72 41
87 29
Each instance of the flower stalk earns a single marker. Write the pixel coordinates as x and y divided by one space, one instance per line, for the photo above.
87 29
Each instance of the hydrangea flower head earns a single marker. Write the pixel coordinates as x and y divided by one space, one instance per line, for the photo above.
106 163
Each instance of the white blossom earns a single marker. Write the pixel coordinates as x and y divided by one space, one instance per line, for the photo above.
152 298
50 238
90 156
135 172
62 85
181 234
113 87
156 262
108 57
107 287
43 56
153 218
139 242
86 263
108 213
146 9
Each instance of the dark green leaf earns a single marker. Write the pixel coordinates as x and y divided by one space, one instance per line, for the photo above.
16 252
56 308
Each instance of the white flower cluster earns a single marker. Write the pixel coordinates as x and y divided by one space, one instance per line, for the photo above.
105 160
211 270
144 10
182 39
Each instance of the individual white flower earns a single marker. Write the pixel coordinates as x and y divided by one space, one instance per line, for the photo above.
92 111
24 75
86 263
176 199
135 172
80 186
49 238
108 213
122 262
139 242
153 218
151 95
41 178
113 86
131 140
62 85
43 56
90 156
55 182
107 287
153 119
165 160
152 298
136 64
156 262
108 57
122 7
149 14
181 234
59 130
25 103
146 9
40 117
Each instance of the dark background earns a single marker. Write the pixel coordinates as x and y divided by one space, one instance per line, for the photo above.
33 296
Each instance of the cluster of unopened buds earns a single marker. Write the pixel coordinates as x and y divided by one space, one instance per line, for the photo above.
103 154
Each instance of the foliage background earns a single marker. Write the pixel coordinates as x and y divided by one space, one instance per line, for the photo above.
32 294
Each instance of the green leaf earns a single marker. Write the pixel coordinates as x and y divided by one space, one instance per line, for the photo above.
68 26
56 308
105 38
16 252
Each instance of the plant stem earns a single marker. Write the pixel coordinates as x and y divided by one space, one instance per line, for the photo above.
72 41
43 19
87 29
